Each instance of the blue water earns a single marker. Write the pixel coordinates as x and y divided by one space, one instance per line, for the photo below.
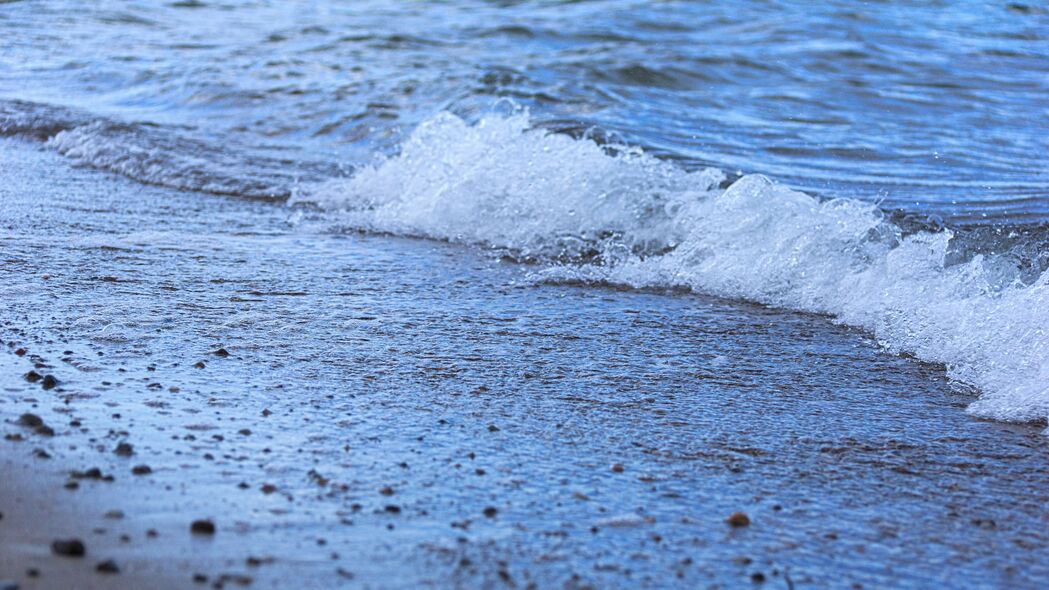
790 258
930 107
883 164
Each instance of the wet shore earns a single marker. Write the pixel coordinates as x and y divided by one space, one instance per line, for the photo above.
365 411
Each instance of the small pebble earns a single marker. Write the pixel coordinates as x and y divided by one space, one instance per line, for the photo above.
107 567
124 450
202 527
738 520
30 420
48 382
68 548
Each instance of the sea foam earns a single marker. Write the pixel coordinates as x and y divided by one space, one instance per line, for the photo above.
614 214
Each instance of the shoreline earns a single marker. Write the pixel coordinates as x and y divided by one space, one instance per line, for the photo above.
393 407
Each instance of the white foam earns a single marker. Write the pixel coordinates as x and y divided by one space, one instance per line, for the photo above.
651 224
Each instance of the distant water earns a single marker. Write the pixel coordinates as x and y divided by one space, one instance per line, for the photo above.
802 155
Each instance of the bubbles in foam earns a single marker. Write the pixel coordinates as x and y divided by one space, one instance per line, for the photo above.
628 218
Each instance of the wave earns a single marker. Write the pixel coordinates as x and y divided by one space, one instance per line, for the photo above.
613 214
155 155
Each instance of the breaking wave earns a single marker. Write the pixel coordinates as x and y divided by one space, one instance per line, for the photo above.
613 214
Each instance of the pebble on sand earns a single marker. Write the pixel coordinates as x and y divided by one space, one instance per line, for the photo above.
202 527
107 567
49 382
738 520
68 547
141 470
124 450
30 420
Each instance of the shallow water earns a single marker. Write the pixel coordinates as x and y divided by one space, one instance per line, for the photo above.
595 140
760 253
939 110
463 384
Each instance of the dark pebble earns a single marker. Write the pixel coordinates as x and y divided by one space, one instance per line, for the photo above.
493 428
44 430
30 420
200 365
202 527
68 548
124 450
20 352
48 382
222 352
386 491
617 468
33 376
738 520
32 573
92 473
141 470
200 579
107 567
491 511
393 509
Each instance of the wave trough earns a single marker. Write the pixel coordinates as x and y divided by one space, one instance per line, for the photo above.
616 215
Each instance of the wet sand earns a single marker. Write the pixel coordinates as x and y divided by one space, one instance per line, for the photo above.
364 411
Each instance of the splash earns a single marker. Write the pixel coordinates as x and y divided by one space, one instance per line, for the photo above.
616 215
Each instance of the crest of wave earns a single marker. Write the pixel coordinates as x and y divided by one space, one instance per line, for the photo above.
627 218
537 194
766 243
